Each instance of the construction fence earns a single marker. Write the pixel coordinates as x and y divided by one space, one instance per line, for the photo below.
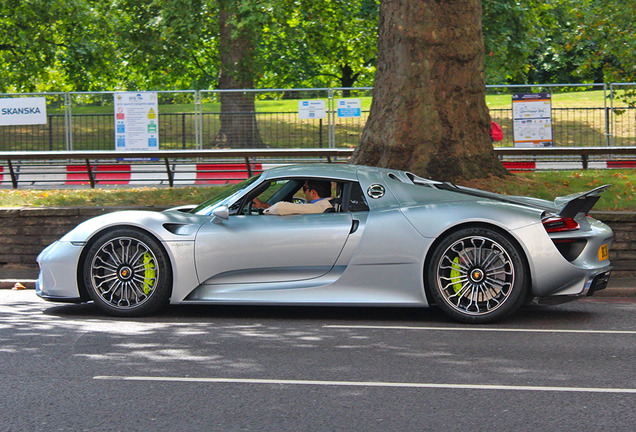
582 115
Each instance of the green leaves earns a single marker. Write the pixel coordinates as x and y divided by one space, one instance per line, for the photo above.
60 45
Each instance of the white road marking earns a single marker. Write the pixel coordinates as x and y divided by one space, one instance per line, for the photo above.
480 329
366 384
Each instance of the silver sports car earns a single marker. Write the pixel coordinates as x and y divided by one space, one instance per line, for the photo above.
391 238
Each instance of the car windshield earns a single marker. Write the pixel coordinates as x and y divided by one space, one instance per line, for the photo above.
223 196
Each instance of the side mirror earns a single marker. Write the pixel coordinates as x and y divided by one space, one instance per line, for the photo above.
220 214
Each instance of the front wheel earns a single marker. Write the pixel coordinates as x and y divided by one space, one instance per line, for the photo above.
476 275
127 273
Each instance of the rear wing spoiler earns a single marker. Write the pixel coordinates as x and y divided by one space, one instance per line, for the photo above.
579 202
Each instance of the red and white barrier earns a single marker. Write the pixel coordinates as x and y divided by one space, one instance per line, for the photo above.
550 166
209 173
132 174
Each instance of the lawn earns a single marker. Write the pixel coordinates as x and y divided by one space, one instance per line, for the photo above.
547 185
581 99
587 99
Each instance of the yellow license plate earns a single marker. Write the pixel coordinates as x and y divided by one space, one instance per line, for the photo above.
602 252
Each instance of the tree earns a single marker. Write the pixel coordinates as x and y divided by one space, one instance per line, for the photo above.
167 44
237 44
512 32
197 44
127 44
429 113
41 49
321 43
590 41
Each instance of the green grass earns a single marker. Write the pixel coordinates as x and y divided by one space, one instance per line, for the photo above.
551 184
587 99
107 197
547 185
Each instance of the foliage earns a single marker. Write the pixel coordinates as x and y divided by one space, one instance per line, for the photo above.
167 44
41 49
546 185
321 44
123 44
586 41
75 45
512 32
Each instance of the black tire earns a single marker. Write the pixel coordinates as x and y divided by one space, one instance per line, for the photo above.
477 275
127 273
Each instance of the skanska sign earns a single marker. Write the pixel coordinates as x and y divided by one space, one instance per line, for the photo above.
22 111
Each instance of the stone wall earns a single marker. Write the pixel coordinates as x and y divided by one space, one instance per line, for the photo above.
623 251
26 231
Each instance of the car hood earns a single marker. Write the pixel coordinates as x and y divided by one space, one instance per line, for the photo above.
171 225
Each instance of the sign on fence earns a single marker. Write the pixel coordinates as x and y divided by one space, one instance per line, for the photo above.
532 119
312 109
22 111
349 107
136 121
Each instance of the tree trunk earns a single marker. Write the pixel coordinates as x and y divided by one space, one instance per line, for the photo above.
429 113
347 79
238 113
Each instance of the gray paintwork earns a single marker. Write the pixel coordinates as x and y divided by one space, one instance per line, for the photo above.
374 257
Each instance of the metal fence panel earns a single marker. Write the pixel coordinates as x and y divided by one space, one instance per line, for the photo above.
270 118
347 131
49 137
93 122
586 125
623 114
261 119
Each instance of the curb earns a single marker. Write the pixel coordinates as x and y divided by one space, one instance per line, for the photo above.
617 287
11 283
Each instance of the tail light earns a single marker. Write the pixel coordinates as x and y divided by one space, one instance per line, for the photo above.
570 248
554 224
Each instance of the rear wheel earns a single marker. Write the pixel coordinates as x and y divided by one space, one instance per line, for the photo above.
477 275
127 273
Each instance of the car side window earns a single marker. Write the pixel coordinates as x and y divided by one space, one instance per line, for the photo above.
352 198
357 202
265 193
346 196
271 190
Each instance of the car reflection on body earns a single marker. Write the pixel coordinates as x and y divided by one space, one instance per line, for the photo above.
392 239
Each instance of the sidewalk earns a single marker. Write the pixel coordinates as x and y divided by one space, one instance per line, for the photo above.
617 287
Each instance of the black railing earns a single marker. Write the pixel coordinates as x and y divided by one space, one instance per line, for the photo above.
581 127
86 167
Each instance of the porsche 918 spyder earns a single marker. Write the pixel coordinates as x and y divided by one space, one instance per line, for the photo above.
390 238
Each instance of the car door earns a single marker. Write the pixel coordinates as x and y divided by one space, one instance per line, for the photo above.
261 248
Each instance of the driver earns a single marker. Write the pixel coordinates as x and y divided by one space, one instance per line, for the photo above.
318 193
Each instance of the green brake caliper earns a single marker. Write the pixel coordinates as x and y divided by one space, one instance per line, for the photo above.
455 274
149 273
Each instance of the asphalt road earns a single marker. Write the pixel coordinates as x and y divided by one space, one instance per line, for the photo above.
561 368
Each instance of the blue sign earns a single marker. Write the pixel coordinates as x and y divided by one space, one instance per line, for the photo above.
348 112
349 107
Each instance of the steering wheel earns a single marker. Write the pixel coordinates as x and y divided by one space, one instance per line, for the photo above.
250 209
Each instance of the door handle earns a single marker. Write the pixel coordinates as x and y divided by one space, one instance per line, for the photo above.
354 226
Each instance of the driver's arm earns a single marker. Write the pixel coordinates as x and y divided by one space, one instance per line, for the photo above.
256 203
